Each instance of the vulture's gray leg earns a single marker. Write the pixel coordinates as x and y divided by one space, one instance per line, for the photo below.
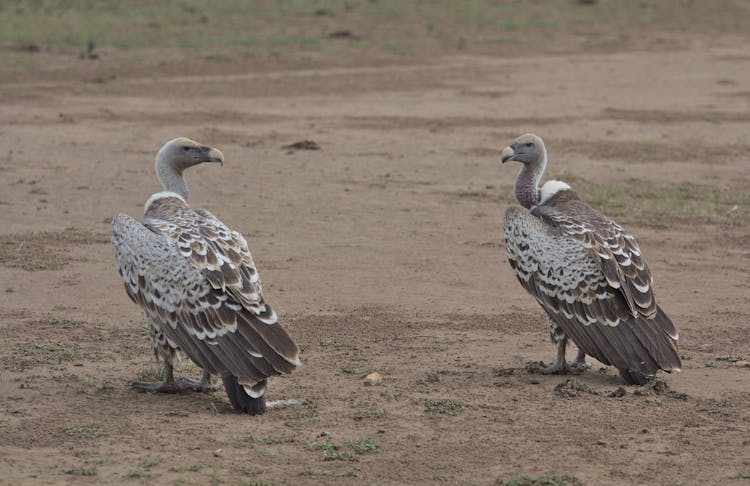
559 366
166 385
203 386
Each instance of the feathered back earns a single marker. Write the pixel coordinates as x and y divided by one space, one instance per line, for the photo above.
616 250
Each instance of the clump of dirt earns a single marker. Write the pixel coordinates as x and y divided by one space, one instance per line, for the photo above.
303 145
659 387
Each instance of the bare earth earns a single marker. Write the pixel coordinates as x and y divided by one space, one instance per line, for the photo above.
382 251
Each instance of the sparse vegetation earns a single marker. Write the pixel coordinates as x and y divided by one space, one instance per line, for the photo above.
556 480
137 473
44 250
368 415
47 352
445 406
732 358
349 452
81 471
89 430
664 205
227 28
150 373
362 446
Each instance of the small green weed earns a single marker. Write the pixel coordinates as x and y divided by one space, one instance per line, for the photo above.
445 406
89 430
556 480
81 471
732 358
137 473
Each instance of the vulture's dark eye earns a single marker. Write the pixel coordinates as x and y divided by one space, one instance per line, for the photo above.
529 144
186 148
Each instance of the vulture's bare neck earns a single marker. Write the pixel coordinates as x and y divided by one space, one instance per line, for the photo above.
527 183
171 178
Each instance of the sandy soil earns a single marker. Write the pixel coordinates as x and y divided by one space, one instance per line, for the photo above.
382 251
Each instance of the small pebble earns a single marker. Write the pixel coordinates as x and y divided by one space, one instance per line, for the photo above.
373 379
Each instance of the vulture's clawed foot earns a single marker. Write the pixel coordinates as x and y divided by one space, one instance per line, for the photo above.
157 386
202 386
576 367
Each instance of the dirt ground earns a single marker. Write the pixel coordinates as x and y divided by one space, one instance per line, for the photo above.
381 251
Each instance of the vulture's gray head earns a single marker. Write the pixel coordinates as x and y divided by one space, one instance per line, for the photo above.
181 153
527 149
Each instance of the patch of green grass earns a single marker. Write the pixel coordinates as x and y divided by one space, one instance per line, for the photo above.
368 415
24 381
48 352
445 406
350 473
718 407
272 439
350 451
60 322
338 346
81 471
252 470
556 480
137 473
362 446
230 29
89 430
732 358
150 373
654 204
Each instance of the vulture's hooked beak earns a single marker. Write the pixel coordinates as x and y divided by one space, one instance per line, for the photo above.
507 153
210 154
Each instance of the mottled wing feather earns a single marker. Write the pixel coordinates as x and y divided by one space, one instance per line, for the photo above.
220 253
569 282
616 250
209 324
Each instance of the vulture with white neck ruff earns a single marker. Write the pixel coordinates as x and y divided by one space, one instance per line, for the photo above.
196 281
587 273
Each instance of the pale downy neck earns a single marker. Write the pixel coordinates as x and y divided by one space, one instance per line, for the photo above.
170 178
527 183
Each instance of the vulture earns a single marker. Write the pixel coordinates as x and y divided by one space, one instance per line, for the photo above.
196 282
587 273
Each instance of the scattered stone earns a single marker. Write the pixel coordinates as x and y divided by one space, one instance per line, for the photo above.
217 452
618 392
288 402
373 379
